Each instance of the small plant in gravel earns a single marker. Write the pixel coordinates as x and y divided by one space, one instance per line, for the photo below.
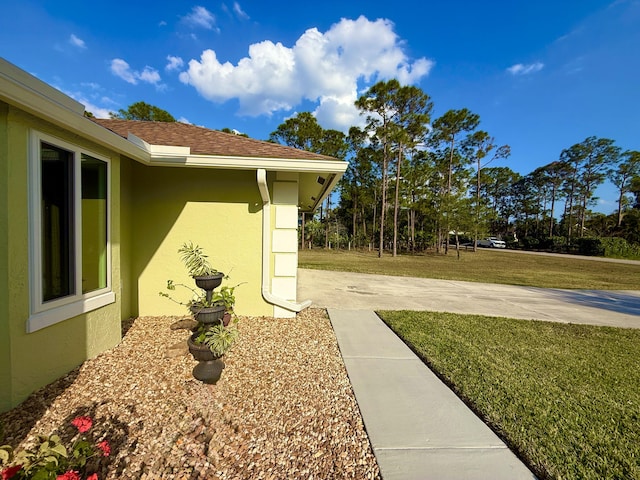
50 459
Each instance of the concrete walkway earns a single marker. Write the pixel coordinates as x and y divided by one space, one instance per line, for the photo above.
418 428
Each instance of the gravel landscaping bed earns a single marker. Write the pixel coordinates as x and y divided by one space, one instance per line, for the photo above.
284 407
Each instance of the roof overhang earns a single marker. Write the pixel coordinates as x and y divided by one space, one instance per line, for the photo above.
316 177
20 89
24 91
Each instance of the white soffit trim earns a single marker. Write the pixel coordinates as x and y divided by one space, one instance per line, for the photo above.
172 157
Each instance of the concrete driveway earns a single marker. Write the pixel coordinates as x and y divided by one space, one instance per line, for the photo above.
355 291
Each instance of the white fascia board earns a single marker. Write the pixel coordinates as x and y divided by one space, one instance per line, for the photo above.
250 163
159 150
27 93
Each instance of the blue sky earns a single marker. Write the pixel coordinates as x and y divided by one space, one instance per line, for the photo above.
543 75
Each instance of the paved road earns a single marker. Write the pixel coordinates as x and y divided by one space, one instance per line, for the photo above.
354 291
566 255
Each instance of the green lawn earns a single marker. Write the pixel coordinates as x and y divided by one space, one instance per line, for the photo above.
564 397
489 266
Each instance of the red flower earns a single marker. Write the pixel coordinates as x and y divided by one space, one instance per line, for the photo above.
70 475
82 423
105 447
93 476
8 473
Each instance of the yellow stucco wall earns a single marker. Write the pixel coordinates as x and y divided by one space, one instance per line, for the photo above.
5 345
36 359
220 210
127 293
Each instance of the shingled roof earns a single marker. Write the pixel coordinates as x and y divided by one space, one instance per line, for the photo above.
204 141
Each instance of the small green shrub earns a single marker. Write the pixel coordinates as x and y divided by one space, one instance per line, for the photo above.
617 247
530 243
553 244
590 246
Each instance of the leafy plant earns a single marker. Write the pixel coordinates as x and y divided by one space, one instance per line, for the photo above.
225 296
50 459
617 247
218 338
195 260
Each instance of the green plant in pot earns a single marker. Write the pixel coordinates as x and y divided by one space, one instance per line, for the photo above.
217 338
198 266
206 307
225 296
208 344
215 332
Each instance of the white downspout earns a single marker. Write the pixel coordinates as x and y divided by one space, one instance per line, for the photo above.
266 249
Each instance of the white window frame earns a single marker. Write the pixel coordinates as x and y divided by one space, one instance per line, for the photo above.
44 314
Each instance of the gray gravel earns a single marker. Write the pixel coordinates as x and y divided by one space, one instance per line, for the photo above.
284 407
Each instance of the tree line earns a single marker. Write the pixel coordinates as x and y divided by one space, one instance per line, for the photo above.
415 183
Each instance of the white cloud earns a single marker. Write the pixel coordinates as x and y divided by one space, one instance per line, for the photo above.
522 69
339 113
239 12
89 106
200 17
108 101
325 68
91 85
121 69
150 75
175 63
98 112
77 42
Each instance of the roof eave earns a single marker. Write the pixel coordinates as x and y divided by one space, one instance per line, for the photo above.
30 94
330 170
328 187
249 163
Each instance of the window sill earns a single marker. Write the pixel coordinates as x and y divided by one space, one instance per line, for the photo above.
41 320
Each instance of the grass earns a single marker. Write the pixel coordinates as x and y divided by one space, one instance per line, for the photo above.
490 266
566 402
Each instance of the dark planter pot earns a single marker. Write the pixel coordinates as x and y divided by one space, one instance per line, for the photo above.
209 367
209 282
208 315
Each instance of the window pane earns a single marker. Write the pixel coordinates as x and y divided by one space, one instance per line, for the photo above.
57 222
94 224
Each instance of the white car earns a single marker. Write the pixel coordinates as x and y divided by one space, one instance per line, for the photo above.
492 242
